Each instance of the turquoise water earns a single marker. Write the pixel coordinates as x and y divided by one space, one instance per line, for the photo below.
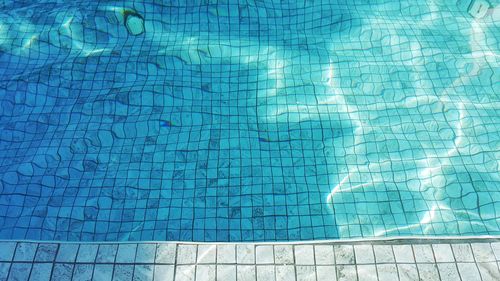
248 120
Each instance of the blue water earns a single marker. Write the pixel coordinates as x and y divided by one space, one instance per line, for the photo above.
256 120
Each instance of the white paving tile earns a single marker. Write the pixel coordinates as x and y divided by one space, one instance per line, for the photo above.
367 272
83 272
443 253
103 272
423 253
483 252
226 272
346 273
245 253
428 272
364 254
496 250
205 272
250 262
126 253
165 253
344 254
325 272
324 255
387 272
245 272
206 254
448 271
286 273
403 253
304 254
383 254
266 272
185 273
46 252
106 253
87 253
305 273
186 254
123 272
407 272
264 254
488 271
7 251
4 270
145 253
164 273
62 271
67 252
25 252
20 271
143 272
283 254
41 271
468 271
226 253
462 252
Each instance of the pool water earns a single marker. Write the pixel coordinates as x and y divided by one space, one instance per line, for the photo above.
256 120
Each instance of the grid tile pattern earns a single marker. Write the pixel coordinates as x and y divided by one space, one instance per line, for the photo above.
369 260
247 121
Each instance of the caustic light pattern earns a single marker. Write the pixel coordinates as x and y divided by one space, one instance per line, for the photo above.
256 120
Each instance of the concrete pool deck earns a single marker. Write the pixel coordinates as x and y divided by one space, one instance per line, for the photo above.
397 259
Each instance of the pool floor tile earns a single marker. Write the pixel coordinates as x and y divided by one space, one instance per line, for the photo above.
260 121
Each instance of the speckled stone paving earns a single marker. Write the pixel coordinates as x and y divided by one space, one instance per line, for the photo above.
477 259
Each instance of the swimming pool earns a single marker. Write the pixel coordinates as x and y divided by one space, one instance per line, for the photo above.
248 120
